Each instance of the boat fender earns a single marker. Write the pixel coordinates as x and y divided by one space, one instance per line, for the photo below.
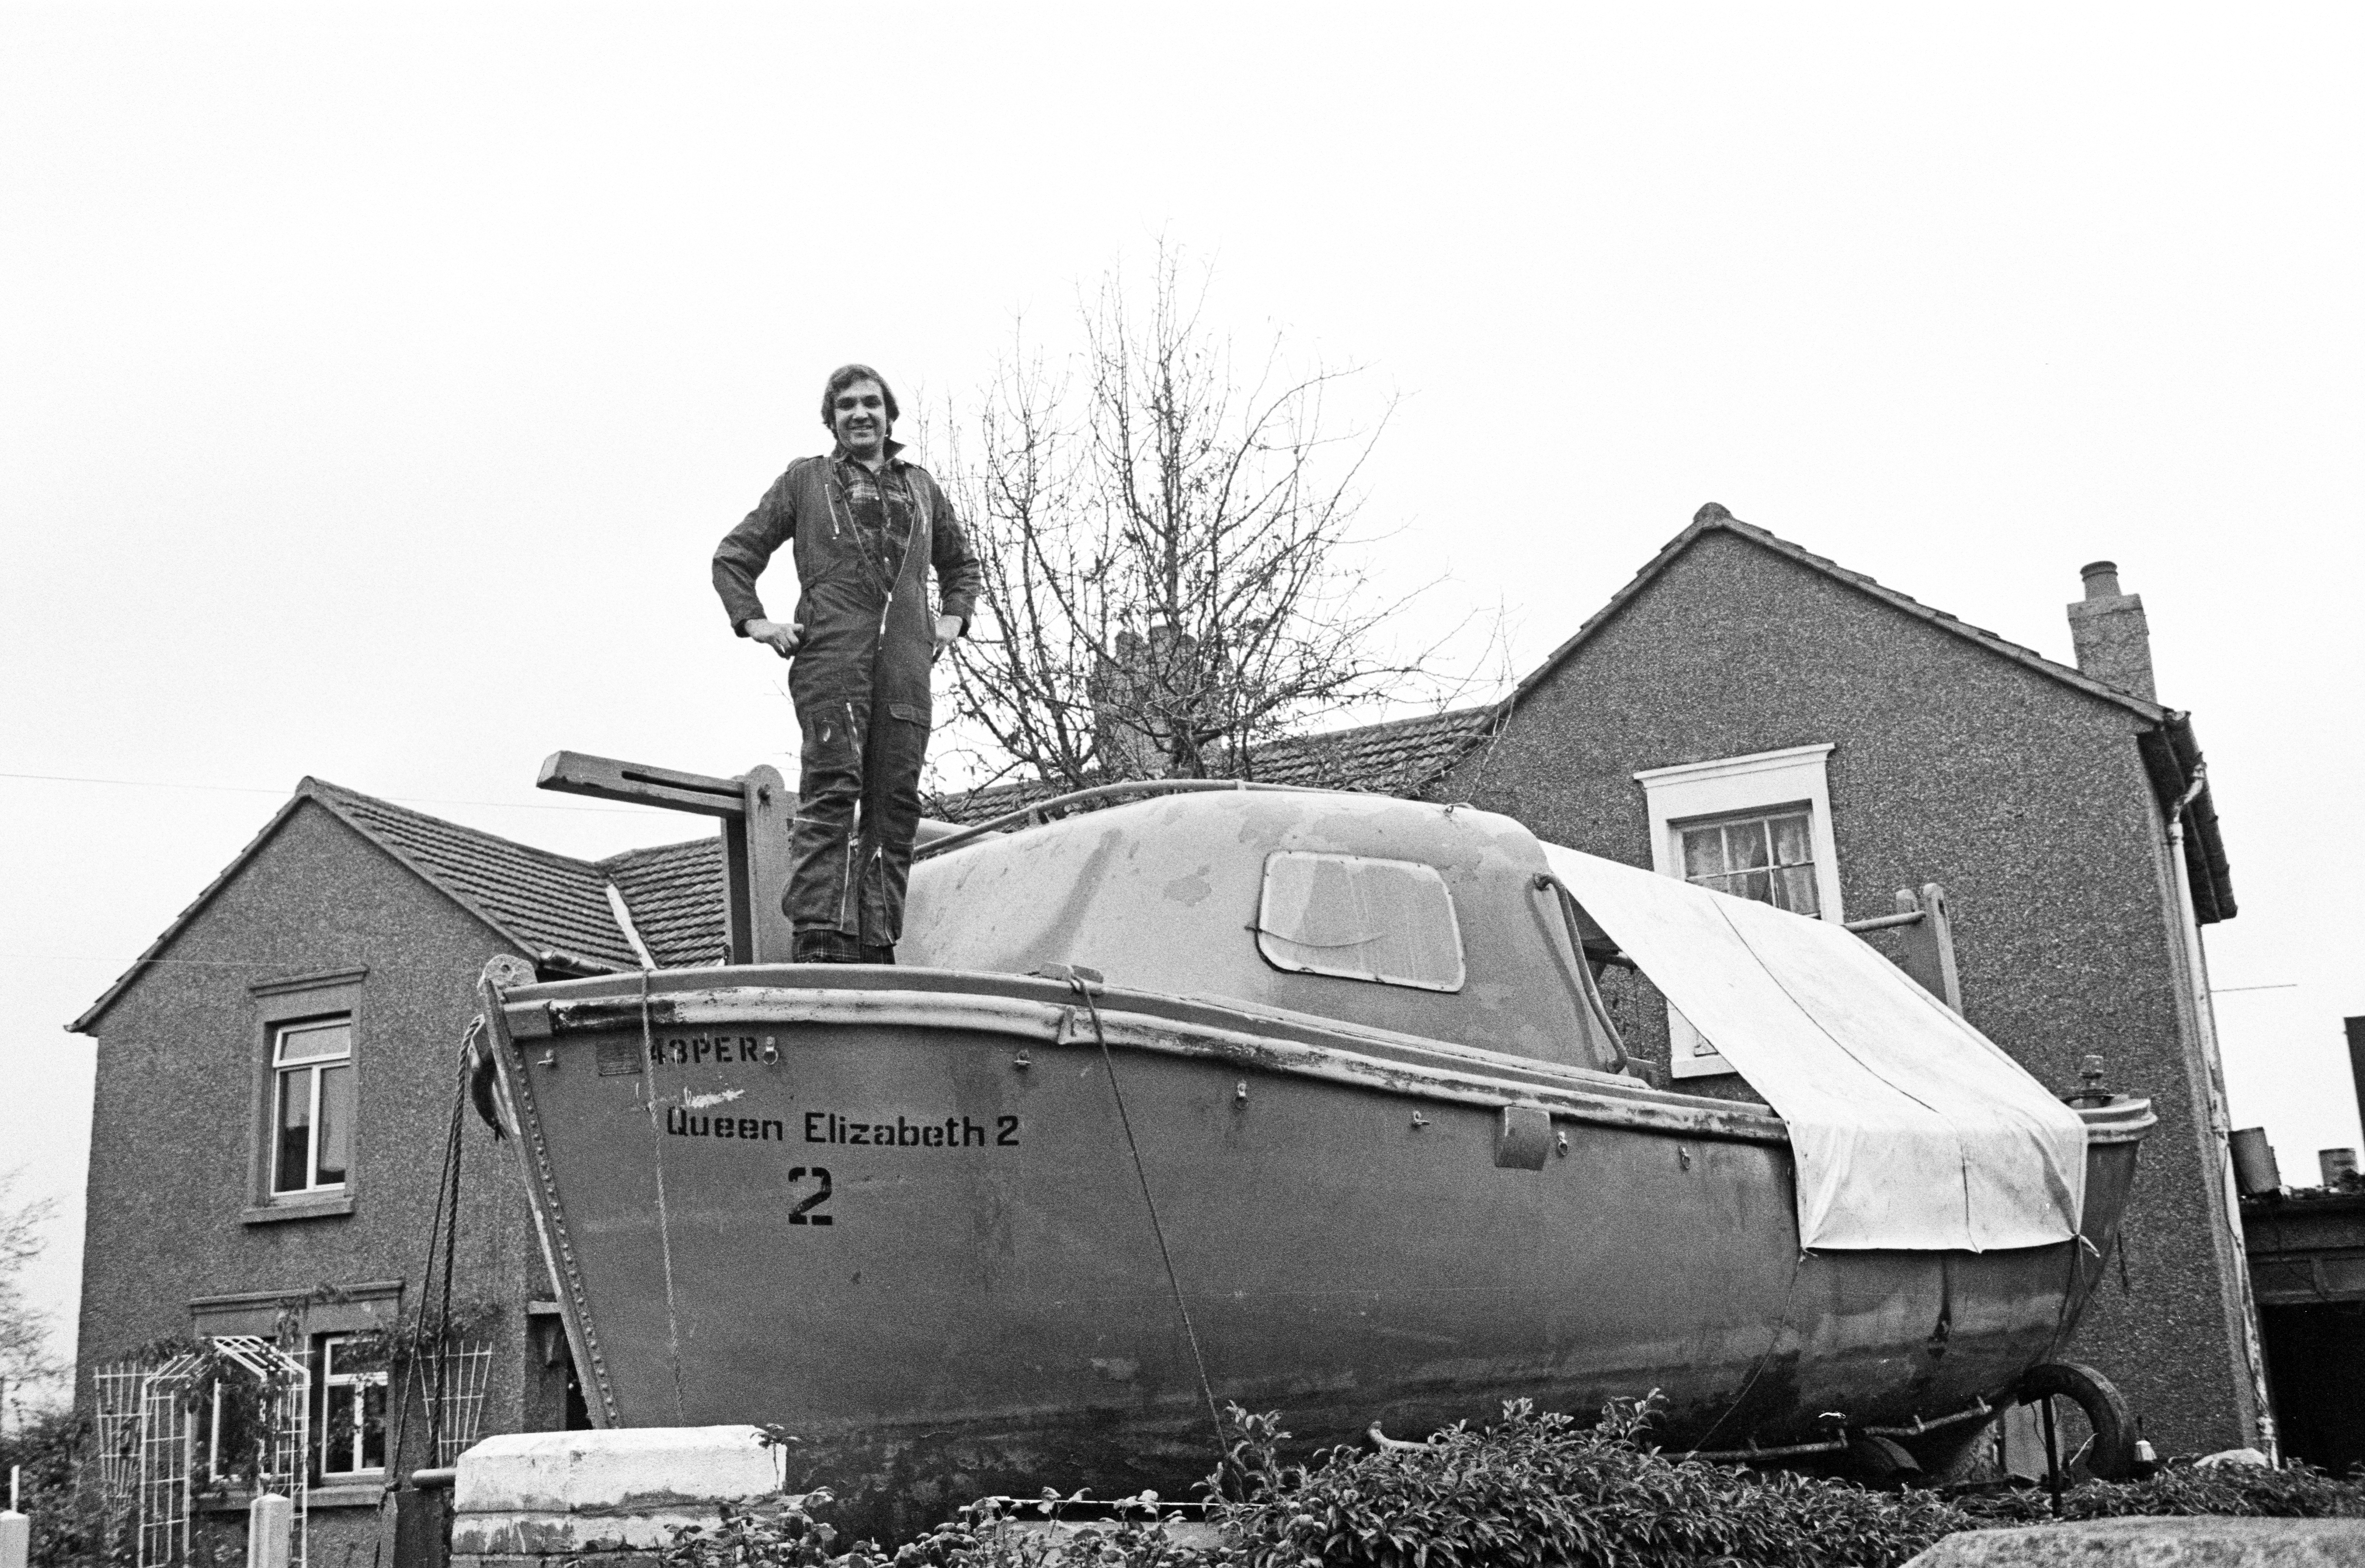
483 1080
1525 1138
2110 1456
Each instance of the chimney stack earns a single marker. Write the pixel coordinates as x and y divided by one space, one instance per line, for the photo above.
2112 639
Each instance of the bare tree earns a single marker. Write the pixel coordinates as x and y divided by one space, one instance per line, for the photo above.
24 1330
1168 538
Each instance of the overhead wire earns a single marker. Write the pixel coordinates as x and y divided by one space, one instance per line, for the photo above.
259 789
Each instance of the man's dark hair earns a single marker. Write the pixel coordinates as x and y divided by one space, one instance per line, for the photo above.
846 376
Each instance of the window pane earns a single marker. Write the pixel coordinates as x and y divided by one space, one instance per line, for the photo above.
352 1412
316 1042
1389 921
337 1427
1794 889
373 1419
336 1124
1703 851
1767 858
291 1170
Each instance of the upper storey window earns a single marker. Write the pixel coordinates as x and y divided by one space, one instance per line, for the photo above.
1769 858
1386 921
312 1143
1758 827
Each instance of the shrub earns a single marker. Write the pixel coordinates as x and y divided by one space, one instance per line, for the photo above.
1532 1491
65 1528
2298 1491
990 1533
1537 1489
772 1535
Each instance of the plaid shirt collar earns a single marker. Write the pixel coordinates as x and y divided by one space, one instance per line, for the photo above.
894 449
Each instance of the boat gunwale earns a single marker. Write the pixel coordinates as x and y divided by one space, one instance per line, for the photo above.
1304 1046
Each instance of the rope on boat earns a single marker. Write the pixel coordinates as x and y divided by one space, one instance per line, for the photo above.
665 1220
1082 988
1781 1326
443 1236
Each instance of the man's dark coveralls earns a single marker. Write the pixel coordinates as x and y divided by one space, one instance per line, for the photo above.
864 544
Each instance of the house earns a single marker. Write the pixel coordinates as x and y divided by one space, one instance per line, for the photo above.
2307 1266
1754 716
1762 720
275 1085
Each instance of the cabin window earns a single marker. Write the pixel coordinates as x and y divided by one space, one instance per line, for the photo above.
312 1105
1768 859
353 1407
1390 921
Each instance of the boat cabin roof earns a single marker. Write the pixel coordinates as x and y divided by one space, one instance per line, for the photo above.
1425 919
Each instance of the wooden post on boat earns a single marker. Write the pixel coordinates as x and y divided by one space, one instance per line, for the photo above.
756 810
1927 926
1929 944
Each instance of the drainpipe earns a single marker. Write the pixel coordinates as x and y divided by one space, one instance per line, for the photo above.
2204 1021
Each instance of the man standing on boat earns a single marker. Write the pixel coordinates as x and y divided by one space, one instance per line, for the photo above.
867 527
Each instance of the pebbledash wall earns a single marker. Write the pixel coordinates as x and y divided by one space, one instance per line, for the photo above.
1952 760
182 1237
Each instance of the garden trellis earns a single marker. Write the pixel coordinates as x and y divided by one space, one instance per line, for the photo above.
164 1436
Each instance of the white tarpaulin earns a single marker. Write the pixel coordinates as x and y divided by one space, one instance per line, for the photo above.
1909 1128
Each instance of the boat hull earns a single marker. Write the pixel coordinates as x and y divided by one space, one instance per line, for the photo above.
963 1234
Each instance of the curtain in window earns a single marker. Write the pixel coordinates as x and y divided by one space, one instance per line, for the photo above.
1767 859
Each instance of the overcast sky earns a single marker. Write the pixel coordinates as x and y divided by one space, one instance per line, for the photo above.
375 381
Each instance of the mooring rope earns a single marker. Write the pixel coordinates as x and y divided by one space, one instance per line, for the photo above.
1781 1326
441 1230
664 1219
1199 1362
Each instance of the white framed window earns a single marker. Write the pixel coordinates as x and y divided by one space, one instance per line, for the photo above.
352 1409
312 1105
1758 827
1389 921
1768 857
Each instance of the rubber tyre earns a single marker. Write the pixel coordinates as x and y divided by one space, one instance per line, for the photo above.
2112 1455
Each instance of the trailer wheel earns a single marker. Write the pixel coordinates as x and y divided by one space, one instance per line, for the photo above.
2112 1455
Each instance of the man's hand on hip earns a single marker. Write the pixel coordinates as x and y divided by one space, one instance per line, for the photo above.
781 639
948 633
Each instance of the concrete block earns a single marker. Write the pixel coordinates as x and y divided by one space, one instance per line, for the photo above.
269 1531
2152 1543
558 1493
16 1539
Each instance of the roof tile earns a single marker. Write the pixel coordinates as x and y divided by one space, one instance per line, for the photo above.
676 896
546 902
1402 757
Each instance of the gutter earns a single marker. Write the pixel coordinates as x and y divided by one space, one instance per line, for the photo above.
2178 775
2204 1021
